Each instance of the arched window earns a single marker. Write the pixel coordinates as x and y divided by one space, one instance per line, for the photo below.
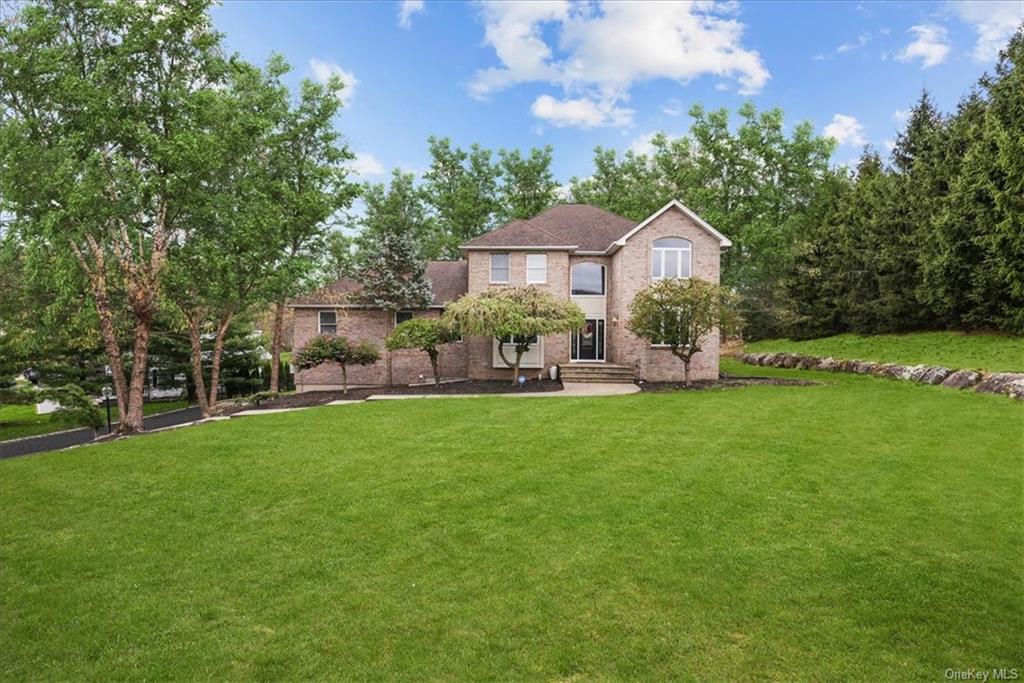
588 279
671 257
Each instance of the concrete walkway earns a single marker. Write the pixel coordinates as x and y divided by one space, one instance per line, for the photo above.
570 389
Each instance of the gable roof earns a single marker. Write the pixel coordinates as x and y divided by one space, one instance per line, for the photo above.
723 241
575 227
448 281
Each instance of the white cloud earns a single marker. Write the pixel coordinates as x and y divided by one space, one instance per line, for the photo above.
890 144
365 164
862 40
674 107
580 112
901 116
930 46
846 130
993 21
322 71
643 144
598 51
406 10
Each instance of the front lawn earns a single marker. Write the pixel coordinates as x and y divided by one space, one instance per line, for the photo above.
17 421
955 350
856 529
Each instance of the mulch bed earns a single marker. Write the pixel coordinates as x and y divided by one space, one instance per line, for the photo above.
724 382
319 398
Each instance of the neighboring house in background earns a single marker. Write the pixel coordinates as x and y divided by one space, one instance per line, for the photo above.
580 252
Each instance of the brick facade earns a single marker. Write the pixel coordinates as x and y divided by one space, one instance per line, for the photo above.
407 366
627 271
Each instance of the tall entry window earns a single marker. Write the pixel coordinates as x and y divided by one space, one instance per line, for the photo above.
588 279
671 257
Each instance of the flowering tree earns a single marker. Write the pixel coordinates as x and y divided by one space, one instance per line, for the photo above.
519 314
682 314
425 334
329 348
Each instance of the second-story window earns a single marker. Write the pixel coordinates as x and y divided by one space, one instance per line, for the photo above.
499 268
536 268
670 257
328 322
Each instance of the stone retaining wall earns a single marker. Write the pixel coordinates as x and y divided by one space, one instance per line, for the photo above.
1007 383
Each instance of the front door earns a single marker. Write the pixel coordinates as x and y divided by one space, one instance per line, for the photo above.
588 343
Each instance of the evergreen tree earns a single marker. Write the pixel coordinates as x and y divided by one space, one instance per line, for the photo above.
391 264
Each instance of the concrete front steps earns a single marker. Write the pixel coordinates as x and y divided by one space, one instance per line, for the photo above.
606 373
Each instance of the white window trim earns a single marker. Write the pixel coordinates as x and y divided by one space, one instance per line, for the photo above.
544 278
508 269
320 322
497 363
678 252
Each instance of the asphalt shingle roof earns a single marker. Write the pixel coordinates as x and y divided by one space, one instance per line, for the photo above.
584 227
448 281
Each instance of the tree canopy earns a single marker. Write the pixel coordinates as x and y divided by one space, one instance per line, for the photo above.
683 314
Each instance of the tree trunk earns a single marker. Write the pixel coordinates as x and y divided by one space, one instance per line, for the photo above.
196 339
113 350
515 370
344 379
275 346
218 350
434 366
131 422
686 371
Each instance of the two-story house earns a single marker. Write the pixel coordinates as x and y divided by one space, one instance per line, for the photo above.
597 259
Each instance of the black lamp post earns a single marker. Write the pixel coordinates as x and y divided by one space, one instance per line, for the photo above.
106 398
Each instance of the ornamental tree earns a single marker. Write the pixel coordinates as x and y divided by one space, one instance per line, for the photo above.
329 348
683 314
425 334
515 316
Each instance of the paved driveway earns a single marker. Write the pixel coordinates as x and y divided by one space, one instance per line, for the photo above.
74 437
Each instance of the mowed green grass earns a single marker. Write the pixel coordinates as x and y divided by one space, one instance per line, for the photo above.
862 528
957 350
17 421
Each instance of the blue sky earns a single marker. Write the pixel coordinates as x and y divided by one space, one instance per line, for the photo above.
577 75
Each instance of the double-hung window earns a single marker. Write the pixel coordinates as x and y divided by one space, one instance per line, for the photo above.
536 268
671 257
328 322
499 268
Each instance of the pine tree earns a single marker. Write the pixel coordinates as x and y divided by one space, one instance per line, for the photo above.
391 265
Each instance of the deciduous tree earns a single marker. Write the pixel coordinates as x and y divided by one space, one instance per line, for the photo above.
427 335
330 348
519 314
684 315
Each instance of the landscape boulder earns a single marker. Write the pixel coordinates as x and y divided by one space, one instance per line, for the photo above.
961 379
827 364
935 375
807 363
864 367
1008 383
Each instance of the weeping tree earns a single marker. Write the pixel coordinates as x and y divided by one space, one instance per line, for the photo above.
683 315
515 316
427 335
330 348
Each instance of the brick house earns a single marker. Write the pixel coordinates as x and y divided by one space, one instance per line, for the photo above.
594 257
